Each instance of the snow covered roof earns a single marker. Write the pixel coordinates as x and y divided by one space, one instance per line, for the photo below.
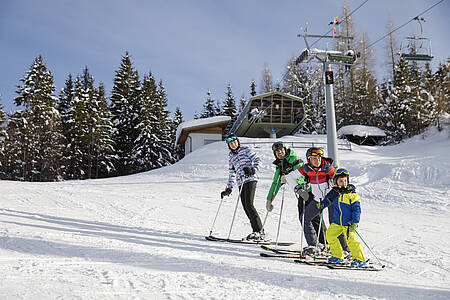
191 125
360 130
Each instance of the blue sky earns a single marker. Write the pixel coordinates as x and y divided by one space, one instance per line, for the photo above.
192 46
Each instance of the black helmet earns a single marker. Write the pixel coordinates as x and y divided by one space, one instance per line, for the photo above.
230 138
314 151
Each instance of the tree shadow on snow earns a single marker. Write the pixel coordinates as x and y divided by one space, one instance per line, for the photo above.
195 244
134 235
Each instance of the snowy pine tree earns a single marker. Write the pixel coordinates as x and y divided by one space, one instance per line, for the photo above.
242 103
146 145
178 150
229 109
442 79
34 139
125 109
163 129
306 82
209 108
103 154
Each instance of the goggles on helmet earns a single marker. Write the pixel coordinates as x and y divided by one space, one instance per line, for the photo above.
231 138
277 146
341 172
316 152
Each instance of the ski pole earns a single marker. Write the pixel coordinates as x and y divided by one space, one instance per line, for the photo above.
265 218
301 225
217 213
318 231
235 209
369 248
279 220
267 213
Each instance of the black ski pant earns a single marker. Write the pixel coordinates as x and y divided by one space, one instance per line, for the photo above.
247 197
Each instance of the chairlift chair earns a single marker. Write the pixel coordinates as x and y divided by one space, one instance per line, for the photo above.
416 48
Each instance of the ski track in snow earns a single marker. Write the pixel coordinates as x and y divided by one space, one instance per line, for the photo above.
142 236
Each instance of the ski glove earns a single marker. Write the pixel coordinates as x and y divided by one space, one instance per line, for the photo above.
249 171
353 226
283 179
301 193
227 192
269 205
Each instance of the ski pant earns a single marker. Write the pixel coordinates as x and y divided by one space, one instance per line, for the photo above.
247 197
312 224
333 232
314 221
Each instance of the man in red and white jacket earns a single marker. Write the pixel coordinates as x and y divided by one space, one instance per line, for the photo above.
318 172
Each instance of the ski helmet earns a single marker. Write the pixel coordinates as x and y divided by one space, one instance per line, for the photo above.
230 138
276 146
314 151
341 172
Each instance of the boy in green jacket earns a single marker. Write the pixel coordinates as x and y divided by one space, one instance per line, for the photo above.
287 161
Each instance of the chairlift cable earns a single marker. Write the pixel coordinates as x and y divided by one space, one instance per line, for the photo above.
341 21
403 25
351 13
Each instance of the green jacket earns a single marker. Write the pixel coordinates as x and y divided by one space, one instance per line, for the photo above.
288 164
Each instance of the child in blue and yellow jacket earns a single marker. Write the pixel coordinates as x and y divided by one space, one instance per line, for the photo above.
346 215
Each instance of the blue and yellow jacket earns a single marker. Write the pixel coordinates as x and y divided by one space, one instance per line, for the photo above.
346 205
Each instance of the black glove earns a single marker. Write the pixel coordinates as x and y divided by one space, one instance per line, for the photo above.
249 171
227 192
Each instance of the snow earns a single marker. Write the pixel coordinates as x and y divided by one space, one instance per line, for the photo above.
200 123
360 130
142 236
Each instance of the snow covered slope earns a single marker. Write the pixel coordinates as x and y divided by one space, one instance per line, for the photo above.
142 236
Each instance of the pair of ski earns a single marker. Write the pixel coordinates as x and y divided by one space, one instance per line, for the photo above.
244 241
289 253
299 257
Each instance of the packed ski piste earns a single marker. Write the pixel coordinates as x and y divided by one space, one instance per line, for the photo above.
239 219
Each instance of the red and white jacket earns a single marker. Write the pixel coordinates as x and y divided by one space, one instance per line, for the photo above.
320 180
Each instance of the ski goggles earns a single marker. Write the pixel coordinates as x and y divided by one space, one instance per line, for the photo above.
231 138
317 152
342 172
277 146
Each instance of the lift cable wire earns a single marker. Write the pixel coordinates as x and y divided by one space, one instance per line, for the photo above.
351 13
403 25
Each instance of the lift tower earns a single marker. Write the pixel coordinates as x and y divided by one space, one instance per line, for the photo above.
327 58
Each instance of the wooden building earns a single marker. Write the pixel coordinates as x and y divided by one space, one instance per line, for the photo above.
273 114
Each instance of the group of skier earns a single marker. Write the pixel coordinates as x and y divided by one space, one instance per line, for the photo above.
317 185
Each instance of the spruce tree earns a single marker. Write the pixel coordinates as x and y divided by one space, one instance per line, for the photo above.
146 145
178 150
242 103
103 144
229 109
442 79
164 128
209 108
125 109
305 82
37 129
